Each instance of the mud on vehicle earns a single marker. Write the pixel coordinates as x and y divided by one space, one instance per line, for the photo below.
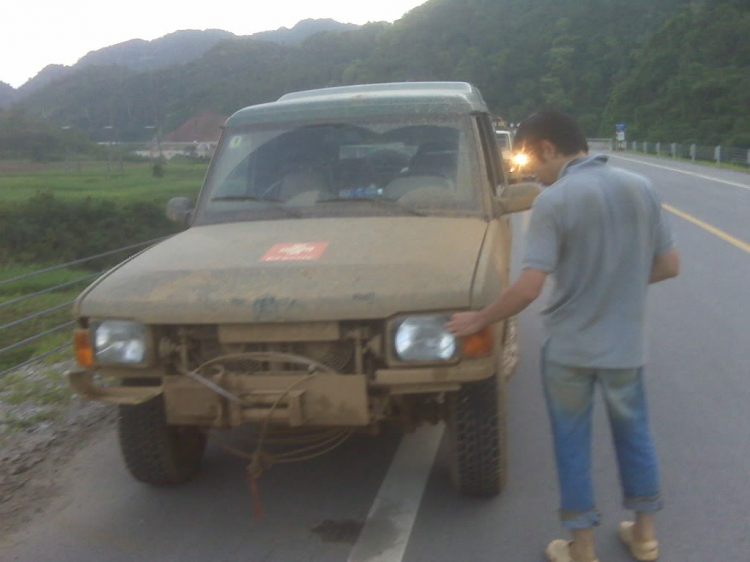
336 232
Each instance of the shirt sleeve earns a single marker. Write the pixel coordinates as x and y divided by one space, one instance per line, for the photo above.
664 241
543 238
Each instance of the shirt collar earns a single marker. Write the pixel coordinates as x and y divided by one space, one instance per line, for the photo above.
584 160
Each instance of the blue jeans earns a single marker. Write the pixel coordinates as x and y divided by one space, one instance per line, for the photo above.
570 398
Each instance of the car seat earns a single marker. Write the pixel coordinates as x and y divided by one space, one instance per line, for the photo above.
435 158
299 182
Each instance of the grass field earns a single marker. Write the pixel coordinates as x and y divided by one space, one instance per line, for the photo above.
135 182
20 181
15 312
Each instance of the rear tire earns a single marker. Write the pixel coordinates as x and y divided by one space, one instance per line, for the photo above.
154 452
477 431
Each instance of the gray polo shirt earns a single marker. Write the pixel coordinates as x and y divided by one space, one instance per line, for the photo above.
597 230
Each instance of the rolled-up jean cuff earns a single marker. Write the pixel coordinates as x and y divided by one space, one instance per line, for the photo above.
579 519
648 504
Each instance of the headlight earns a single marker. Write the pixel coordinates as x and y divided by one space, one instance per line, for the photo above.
120 341
424 338
520 160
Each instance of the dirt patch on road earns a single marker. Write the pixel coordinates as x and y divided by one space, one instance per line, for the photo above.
33 455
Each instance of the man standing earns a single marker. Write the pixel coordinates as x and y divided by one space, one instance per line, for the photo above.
601 233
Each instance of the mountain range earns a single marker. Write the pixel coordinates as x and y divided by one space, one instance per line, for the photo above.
673 70
175 48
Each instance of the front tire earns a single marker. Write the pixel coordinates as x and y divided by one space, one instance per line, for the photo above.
154 452
477 431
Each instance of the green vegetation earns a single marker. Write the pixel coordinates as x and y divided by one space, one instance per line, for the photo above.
23 136
29 328
135 183
691 80
27 401
51 217
17 389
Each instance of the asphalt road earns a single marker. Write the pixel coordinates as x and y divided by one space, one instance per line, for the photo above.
699 390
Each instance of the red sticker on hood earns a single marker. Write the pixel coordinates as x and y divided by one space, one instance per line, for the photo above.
297 251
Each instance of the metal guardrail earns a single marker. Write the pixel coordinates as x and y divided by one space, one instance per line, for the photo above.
596 145
693 152
40 335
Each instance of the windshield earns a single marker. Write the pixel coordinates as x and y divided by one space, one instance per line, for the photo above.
381 167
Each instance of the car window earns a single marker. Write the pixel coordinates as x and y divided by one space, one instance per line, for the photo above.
493 162
423 163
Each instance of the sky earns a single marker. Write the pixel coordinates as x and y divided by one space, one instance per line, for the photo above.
35 33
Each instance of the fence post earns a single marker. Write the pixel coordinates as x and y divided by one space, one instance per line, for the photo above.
645 147
692 152
611 145
717 154
674 150
748 157
658 149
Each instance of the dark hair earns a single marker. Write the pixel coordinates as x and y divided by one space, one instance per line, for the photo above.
554 126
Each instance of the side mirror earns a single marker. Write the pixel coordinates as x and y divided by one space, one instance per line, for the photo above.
180 210
519 197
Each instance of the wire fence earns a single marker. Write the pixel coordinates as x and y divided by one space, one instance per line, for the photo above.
17 341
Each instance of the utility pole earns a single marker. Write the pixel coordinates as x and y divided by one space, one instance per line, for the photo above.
109 150
155 128
66 140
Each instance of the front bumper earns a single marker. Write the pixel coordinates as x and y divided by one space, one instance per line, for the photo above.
289 397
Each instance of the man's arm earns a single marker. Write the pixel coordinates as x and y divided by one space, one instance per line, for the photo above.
665 266
513 300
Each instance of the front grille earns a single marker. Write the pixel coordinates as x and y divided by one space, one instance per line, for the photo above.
210 344
338 356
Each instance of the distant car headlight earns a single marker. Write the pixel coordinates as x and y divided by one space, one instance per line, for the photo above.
119 341
424 338
520 160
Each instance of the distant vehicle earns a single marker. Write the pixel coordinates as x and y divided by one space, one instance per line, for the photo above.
336 232
515 163
504 140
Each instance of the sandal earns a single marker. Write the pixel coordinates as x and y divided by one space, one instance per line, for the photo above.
559 551
645 551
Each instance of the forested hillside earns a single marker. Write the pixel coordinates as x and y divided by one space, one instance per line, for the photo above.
691 80
672 69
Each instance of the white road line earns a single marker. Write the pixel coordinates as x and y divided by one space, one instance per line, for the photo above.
389 523
682 172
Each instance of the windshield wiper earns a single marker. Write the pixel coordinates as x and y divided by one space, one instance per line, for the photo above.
385 202
277 202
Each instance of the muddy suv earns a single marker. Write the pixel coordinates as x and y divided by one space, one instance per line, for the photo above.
336 232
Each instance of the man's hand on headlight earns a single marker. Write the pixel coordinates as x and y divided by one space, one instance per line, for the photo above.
513 300
465 323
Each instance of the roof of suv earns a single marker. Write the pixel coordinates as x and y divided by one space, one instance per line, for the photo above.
404 98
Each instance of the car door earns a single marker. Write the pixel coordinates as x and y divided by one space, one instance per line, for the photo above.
493 269
500 229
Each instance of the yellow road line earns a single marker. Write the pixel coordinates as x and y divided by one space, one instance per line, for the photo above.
712 229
